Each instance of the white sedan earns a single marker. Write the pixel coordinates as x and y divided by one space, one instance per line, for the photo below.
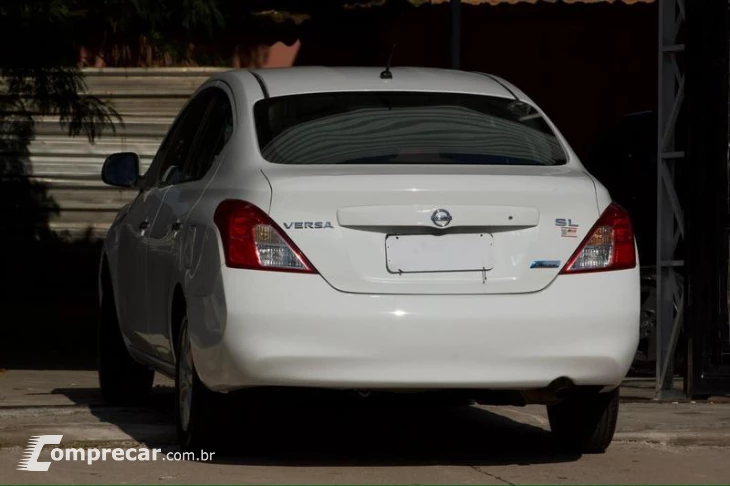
418 230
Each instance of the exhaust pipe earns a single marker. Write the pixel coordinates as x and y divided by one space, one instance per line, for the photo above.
557 391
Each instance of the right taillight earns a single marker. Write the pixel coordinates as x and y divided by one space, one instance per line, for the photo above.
609 245
252 240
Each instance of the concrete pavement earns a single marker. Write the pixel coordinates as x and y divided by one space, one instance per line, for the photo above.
624 463
655 442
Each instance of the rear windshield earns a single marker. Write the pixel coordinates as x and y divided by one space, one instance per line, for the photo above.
403 128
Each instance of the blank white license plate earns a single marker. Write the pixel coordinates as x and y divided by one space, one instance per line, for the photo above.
439 253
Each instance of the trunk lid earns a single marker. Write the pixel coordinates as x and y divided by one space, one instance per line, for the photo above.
375 229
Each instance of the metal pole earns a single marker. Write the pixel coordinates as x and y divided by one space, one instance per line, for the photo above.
670 217
455 34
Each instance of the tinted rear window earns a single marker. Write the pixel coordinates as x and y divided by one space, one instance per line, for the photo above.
403 128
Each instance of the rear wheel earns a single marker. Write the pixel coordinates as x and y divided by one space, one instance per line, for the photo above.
122 380
194 407
585 421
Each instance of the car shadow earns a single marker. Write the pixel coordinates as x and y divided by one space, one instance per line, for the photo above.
346 433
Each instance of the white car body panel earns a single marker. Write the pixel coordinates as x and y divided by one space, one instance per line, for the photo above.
305 79
316 336
354 264
132 266
357 325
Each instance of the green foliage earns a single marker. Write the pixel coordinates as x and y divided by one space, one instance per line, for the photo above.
40 50
39 71
121 28
40 42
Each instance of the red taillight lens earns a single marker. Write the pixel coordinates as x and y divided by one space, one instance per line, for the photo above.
608 246
252 240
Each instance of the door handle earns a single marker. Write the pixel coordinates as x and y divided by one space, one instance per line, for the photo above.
177 226
144 224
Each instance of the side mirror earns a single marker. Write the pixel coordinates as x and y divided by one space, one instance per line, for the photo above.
121 169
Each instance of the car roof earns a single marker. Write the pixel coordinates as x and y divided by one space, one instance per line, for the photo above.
314 79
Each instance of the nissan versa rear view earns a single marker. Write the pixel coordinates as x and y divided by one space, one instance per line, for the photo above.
428 231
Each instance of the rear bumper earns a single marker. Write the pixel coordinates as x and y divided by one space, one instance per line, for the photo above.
274 329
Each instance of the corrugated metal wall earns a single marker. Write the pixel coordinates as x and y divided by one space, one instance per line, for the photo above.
147 100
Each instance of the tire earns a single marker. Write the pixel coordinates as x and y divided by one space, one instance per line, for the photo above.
194 403
586 421
122 380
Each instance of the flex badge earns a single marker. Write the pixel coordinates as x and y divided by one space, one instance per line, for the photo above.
568 229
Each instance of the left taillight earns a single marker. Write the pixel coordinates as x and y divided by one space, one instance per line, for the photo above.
254 241
608 246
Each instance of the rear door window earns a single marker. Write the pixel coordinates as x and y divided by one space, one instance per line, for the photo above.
213 136
174 150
